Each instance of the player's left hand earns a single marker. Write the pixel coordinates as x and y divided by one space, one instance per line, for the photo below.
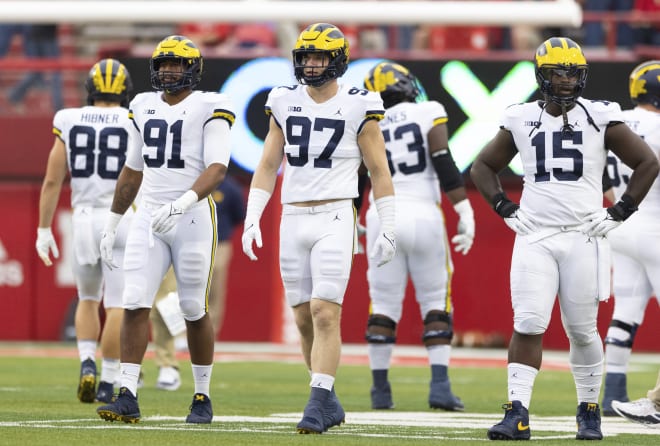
599 223
384 248
45 245
251 233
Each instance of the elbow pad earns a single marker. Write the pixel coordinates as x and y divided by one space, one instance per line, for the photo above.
448 174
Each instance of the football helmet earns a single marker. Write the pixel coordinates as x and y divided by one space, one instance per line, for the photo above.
645 83
321 38
560 55
394 82
108 80
182 50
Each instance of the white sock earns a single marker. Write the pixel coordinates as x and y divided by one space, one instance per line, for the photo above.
130 373
322 380
110 370
439 354
202 377
86 349
588 379
617 359
521 382
380 356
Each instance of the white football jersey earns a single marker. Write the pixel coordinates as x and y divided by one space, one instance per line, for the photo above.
321 150
96 141
173 154
563 171
647 125
405 128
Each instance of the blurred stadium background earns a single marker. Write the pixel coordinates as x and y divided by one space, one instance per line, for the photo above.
472 56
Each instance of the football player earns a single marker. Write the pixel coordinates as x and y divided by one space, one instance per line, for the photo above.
560 247
182 156
323 131
636 264
90 145
420 161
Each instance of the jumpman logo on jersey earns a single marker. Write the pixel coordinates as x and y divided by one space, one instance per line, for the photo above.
193 222
338 112
336 218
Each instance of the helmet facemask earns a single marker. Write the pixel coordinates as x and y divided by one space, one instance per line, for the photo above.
182 51
560 56
325 39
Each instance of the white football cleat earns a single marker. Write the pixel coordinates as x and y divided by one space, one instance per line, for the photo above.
640 411
168 379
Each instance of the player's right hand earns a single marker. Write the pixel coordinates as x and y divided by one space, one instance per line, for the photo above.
107 243
520 223
384 248
251 233
45 245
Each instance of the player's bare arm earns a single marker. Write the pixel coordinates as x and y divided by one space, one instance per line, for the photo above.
128 185
56 172
265 175
209 179
637 155
497 154
372 146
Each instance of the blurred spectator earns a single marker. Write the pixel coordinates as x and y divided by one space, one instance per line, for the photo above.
39 41
594 31
224 37
648 33
7 33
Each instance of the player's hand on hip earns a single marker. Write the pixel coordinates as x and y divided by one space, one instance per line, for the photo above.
384 248
520 223
599 223
106 248
251 233
45 245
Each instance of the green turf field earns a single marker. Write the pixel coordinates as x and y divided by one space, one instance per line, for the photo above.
259 403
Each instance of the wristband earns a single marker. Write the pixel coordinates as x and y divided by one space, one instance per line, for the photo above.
386 213
623 208
503 206
112 221
188 199
257 201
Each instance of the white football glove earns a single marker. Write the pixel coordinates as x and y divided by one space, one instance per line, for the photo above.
108 239
45 245
465 232
384 248
361 230
599 223
520 223
106 247
251 233
168 215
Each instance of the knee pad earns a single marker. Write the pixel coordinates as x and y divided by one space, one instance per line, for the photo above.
133 297
379 338
189 266
433 328
621 334
192 309
530 326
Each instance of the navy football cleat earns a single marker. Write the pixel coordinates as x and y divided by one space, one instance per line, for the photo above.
87 382
201 410
588 422
105 392
514 426
124 408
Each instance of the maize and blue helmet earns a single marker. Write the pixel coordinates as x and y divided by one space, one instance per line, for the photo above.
109 80
321 38
563 56
182 50
394 82
644 84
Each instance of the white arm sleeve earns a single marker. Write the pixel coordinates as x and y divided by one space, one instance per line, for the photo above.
217 142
